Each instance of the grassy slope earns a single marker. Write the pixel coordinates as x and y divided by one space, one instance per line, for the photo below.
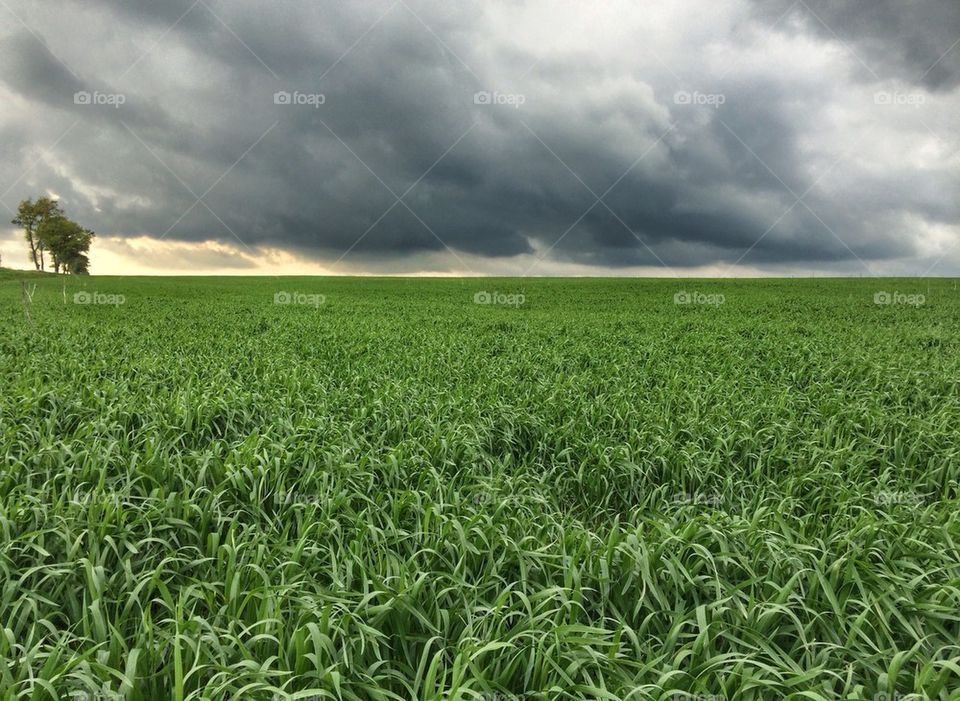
13 273
402 494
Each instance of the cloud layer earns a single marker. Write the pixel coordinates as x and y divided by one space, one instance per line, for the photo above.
516 137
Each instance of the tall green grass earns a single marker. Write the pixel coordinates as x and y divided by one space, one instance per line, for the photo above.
400 494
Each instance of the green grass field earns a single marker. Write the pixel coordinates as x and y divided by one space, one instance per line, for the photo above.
393 492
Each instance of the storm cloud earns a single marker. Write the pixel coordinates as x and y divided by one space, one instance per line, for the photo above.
505 136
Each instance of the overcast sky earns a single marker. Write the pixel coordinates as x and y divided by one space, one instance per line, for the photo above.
540 137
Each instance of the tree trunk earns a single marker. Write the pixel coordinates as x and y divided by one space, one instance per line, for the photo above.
33 249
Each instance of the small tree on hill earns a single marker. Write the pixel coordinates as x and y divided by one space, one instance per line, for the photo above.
68 243
31 215
47 228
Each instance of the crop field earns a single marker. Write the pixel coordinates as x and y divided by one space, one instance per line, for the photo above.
490 489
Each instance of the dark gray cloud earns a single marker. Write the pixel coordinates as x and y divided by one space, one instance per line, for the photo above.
699 130
912 40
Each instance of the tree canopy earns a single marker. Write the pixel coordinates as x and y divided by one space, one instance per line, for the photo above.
47 229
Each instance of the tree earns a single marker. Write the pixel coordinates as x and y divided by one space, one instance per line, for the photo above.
68 243
27 218
78 265
74 252
31 215
47 228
